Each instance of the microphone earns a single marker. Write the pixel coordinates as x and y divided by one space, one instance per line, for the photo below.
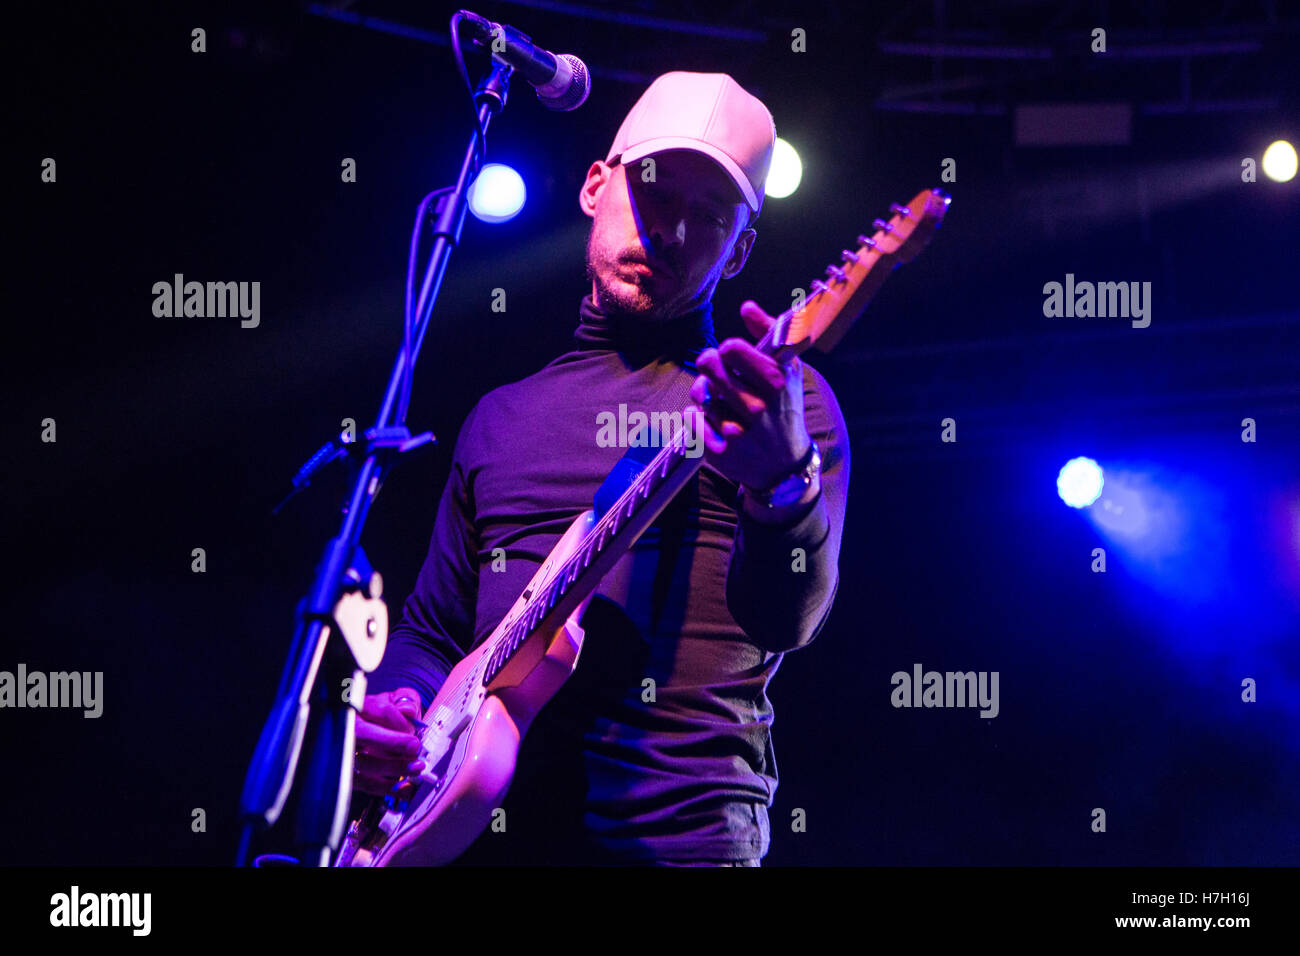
561 80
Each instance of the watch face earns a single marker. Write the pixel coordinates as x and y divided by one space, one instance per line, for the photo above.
814 462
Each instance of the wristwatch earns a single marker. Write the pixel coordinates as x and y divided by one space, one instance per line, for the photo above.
789 490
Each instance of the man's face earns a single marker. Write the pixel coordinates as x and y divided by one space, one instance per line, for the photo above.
658 248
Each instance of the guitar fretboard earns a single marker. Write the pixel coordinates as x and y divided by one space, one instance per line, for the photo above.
823 316
661 470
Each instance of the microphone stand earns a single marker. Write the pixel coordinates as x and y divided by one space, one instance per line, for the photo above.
345 598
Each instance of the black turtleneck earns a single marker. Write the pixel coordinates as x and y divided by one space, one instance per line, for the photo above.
641 340
704 606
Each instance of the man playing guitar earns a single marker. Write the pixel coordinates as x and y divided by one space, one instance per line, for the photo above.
658 748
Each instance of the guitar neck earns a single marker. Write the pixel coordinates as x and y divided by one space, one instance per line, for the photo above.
821 319
618 529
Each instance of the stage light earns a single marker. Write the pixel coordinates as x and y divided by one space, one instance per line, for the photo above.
497 194
786 171
1280 161
1175 526
1079 482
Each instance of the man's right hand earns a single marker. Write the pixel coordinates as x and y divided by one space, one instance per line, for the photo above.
387 745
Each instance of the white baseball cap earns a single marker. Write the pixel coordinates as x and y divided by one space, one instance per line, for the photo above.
709 113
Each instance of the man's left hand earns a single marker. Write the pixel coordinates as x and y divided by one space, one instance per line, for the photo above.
754 431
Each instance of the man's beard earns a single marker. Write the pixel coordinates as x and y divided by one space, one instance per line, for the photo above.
636 300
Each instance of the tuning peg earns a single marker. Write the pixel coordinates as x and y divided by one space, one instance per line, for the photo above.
867 241
837 272
818 287
847 256
901 210
881 224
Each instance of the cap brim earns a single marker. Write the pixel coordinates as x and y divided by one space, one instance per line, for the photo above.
642 150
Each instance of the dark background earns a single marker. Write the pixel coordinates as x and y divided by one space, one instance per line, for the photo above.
1118 690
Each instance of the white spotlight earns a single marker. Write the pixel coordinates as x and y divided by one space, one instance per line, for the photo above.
786 171
1280 161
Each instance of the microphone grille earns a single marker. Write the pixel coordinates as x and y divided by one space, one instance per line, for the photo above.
575 92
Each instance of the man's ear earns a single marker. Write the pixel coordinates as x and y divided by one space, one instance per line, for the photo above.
597 177
739 252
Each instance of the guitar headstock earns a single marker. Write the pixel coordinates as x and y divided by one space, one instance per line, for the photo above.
835 302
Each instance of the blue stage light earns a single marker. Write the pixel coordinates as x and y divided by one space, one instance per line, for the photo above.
497 194
1079 482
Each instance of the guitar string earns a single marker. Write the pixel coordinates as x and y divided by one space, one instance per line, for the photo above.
664 457
664 460
766 345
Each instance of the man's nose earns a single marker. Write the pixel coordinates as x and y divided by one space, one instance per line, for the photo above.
668 230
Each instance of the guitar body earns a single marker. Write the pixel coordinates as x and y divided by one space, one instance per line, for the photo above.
471 741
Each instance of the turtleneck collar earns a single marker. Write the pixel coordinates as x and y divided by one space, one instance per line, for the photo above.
682 338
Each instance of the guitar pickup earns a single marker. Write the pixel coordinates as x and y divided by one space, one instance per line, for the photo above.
430 778
452 730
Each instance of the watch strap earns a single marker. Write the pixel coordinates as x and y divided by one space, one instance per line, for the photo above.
790 489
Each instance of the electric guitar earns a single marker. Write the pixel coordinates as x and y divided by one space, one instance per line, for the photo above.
471 733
